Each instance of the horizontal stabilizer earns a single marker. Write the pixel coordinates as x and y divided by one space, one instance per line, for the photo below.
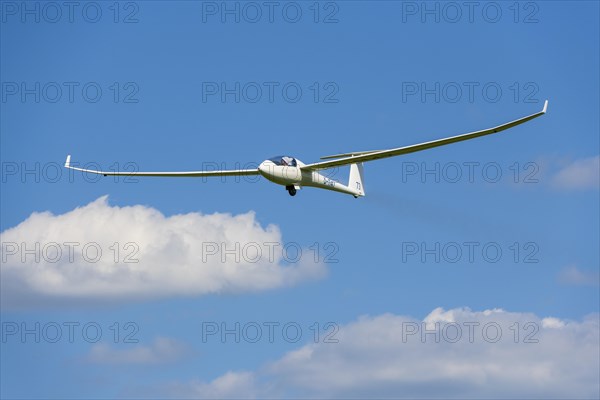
359 153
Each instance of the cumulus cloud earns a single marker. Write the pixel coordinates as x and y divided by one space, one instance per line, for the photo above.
109 253
579 174
161 350
506 355
575 276
231 385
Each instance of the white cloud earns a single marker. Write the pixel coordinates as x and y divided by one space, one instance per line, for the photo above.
178 255
551 322
377 358
162 350
231 385
574 276
580 174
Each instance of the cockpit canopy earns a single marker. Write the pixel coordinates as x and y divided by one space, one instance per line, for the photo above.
285 161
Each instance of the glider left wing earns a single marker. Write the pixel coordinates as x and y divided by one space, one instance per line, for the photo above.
182 174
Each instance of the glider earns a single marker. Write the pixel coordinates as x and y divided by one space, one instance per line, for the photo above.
294 174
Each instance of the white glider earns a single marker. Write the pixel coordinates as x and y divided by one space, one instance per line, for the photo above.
294 174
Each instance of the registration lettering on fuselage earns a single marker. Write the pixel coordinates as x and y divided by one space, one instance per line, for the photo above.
329 182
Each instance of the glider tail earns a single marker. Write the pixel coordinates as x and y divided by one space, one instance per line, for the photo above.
356 178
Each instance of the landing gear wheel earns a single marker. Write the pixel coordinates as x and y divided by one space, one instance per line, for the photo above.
291 190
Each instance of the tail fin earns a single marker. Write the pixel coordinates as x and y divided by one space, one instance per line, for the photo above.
356 178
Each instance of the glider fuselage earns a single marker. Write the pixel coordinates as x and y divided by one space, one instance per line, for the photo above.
293 175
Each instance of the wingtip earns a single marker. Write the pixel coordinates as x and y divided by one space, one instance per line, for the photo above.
68 161
545 106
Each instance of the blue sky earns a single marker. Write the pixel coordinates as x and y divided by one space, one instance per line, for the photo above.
372 75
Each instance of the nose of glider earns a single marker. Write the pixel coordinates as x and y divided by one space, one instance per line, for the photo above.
266 167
